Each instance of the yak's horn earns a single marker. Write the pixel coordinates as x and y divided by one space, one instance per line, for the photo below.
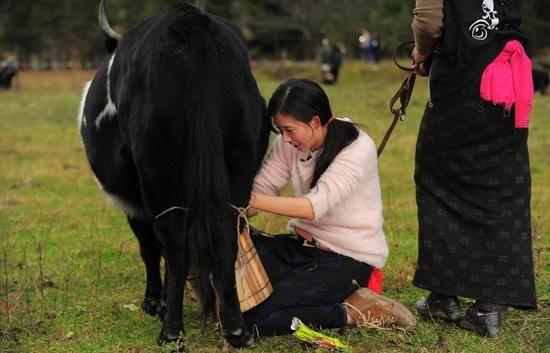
105 27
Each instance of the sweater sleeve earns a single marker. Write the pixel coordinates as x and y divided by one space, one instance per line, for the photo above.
427 24
349 169
275 171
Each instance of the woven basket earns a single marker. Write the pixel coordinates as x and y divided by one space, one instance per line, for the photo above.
253 285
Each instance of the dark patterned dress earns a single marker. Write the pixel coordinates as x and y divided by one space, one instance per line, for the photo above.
473 191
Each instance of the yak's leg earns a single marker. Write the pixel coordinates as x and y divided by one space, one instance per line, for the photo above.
164 292
172 232
233 325
241 177
150 250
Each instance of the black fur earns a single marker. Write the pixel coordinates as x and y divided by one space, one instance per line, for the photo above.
7 73
190 131
541 79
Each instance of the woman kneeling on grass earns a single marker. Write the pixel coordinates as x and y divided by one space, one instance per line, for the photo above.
336 241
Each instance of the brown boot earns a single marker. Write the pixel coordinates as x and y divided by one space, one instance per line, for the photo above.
367 308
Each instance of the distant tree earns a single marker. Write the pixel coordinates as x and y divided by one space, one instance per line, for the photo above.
392 20
18 32
298 26
535 24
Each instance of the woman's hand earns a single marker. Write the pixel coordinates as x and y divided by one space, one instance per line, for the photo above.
252 211
418 59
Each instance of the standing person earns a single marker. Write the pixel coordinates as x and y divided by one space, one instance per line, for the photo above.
364 42
374 48
331 60
335 62
472 165
8 70
326 52
335 242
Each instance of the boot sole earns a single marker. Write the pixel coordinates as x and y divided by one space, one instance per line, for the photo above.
487 331
439 314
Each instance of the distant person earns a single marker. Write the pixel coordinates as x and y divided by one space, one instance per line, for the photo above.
326 52
472 173
8 70
541 80
331 61
335 61
373 49
364 42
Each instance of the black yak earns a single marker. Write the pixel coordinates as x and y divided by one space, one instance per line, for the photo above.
174 129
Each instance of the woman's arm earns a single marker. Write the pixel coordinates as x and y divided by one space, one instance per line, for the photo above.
427 25
296 207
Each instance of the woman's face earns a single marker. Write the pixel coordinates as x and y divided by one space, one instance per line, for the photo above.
303 136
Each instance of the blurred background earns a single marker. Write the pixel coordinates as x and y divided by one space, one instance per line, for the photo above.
64 33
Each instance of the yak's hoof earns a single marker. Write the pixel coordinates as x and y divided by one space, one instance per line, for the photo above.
153 307
239 338
175 340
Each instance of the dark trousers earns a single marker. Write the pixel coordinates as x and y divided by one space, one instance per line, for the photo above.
308 283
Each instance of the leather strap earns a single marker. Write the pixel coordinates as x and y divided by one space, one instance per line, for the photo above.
404 96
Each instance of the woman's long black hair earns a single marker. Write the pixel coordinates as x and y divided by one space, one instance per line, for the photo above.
303 99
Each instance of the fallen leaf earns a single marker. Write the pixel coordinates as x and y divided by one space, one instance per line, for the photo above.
131 307
48 283
442 344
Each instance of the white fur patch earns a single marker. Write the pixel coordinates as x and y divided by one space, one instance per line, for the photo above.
116 201
110 108
81 119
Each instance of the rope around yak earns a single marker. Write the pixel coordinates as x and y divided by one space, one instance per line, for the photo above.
241 215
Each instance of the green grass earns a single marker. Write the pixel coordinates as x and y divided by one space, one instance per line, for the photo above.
70 268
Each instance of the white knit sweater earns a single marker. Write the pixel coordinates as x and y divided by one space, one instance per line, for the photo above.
347 199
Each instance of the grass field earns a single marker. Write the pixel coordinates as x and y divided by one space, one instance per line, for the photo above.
71 279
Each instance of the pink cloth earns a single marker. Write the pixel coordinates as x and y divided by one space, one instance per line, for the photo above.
508 80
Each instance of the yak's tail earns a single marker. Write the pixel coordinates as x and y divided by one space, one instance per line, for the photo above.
182 68
206 185
212 234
